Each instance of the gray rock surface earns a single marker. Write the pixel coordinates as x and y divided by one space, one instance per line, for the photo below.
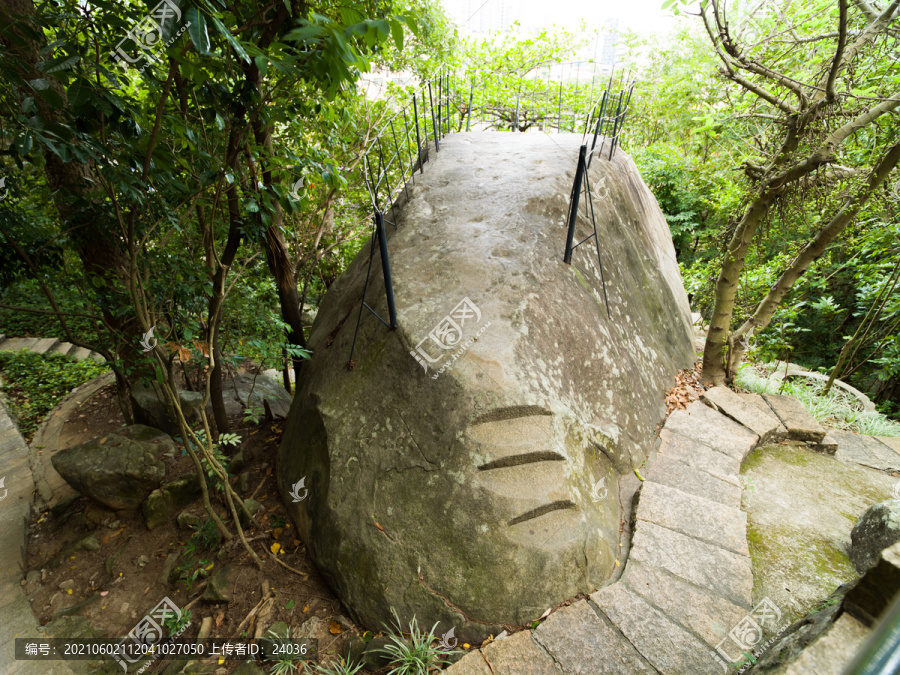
256 391
163 503
877 529
669 471
426 487
115 471
702 424
151 409
519 653
865 450
832 653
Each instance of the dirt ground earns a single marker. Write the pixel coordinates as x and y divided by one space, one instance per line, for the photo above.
116 601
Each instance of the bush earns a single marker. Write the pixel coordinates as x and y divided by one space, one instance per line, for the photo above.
35 383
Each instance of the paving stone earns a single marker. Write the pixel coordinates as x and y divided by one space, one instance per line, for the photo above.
800 424
97 357
584 644
723 572
713 429
828 445
670 648
892 442
708 615
519 655
864 450
694 516
80 353
759 402
666 470
14 344
832 653
766 425
44 345
472 663
699 456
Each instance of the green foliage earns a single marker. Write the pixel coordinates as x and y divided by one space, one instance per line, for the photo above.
174 624
412 655
283 665
338 668
205 538
35 383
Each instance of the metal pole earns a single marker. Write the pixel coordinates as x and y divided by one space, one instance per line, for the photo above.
440 98
418 135
573 209
612 144
386 267
559 117
518 97
437 143
469 114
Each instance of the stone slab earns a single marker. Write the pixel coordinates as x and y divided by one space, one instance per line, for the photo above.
519 655
44 345
80 353
15 344
669 471
63 348
759 402
706 614
712 428
670 648
864 450
583 644
766 425
694 516
699 456
800 424
832 653
726 573
472 663
828 445
893 442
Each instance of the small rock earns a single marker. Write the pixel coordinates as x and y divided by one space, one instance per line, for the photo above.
124 608
168 567
188 521
352 651
253 507
89 544
877 529
236 463
373 658
142 561
57 602
67 585
164 502
33 577
114 525
344 622
244 481
219 587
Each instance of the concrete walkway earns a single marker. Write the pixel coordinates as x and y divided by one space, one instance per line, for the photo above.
47 346
686 588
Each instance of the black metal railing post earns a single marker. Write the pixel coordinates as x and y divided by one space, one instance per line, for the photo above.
418 135
573 206
386 267
469 114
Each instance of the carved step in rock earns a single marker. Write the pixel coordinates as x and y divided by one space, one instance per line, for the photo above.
766 425
800 425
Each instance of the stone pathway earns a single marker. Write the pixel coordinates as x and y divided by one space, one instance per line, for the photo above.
688 579
16 617
47 346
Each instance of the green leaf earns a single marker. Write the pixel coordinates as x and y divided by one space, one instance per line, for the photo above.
289 605
197 30
61 63
238 48
397 32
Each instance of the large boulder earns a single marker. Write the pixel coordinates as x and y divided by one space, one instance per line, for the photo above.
877 529
258 391
119 470
465 470
151 408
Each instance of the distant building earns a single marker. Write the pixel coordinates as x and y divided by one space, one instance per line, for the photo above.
610 39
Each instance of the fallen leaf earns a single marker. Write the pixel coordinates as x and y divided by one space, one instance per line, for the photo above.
275 548
104 593
334 628
69 591
306 607
276 533
220 617
103 440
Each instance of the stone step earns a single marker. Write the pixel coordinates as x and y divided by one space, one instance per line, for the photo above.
671 649
694 516
708 615
99 358
800 425
80 353
15 344
701 423
833 651
667 470
584 644
44 345
764 424
725 573
63 348
893 442
865 450
699 456
518 654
